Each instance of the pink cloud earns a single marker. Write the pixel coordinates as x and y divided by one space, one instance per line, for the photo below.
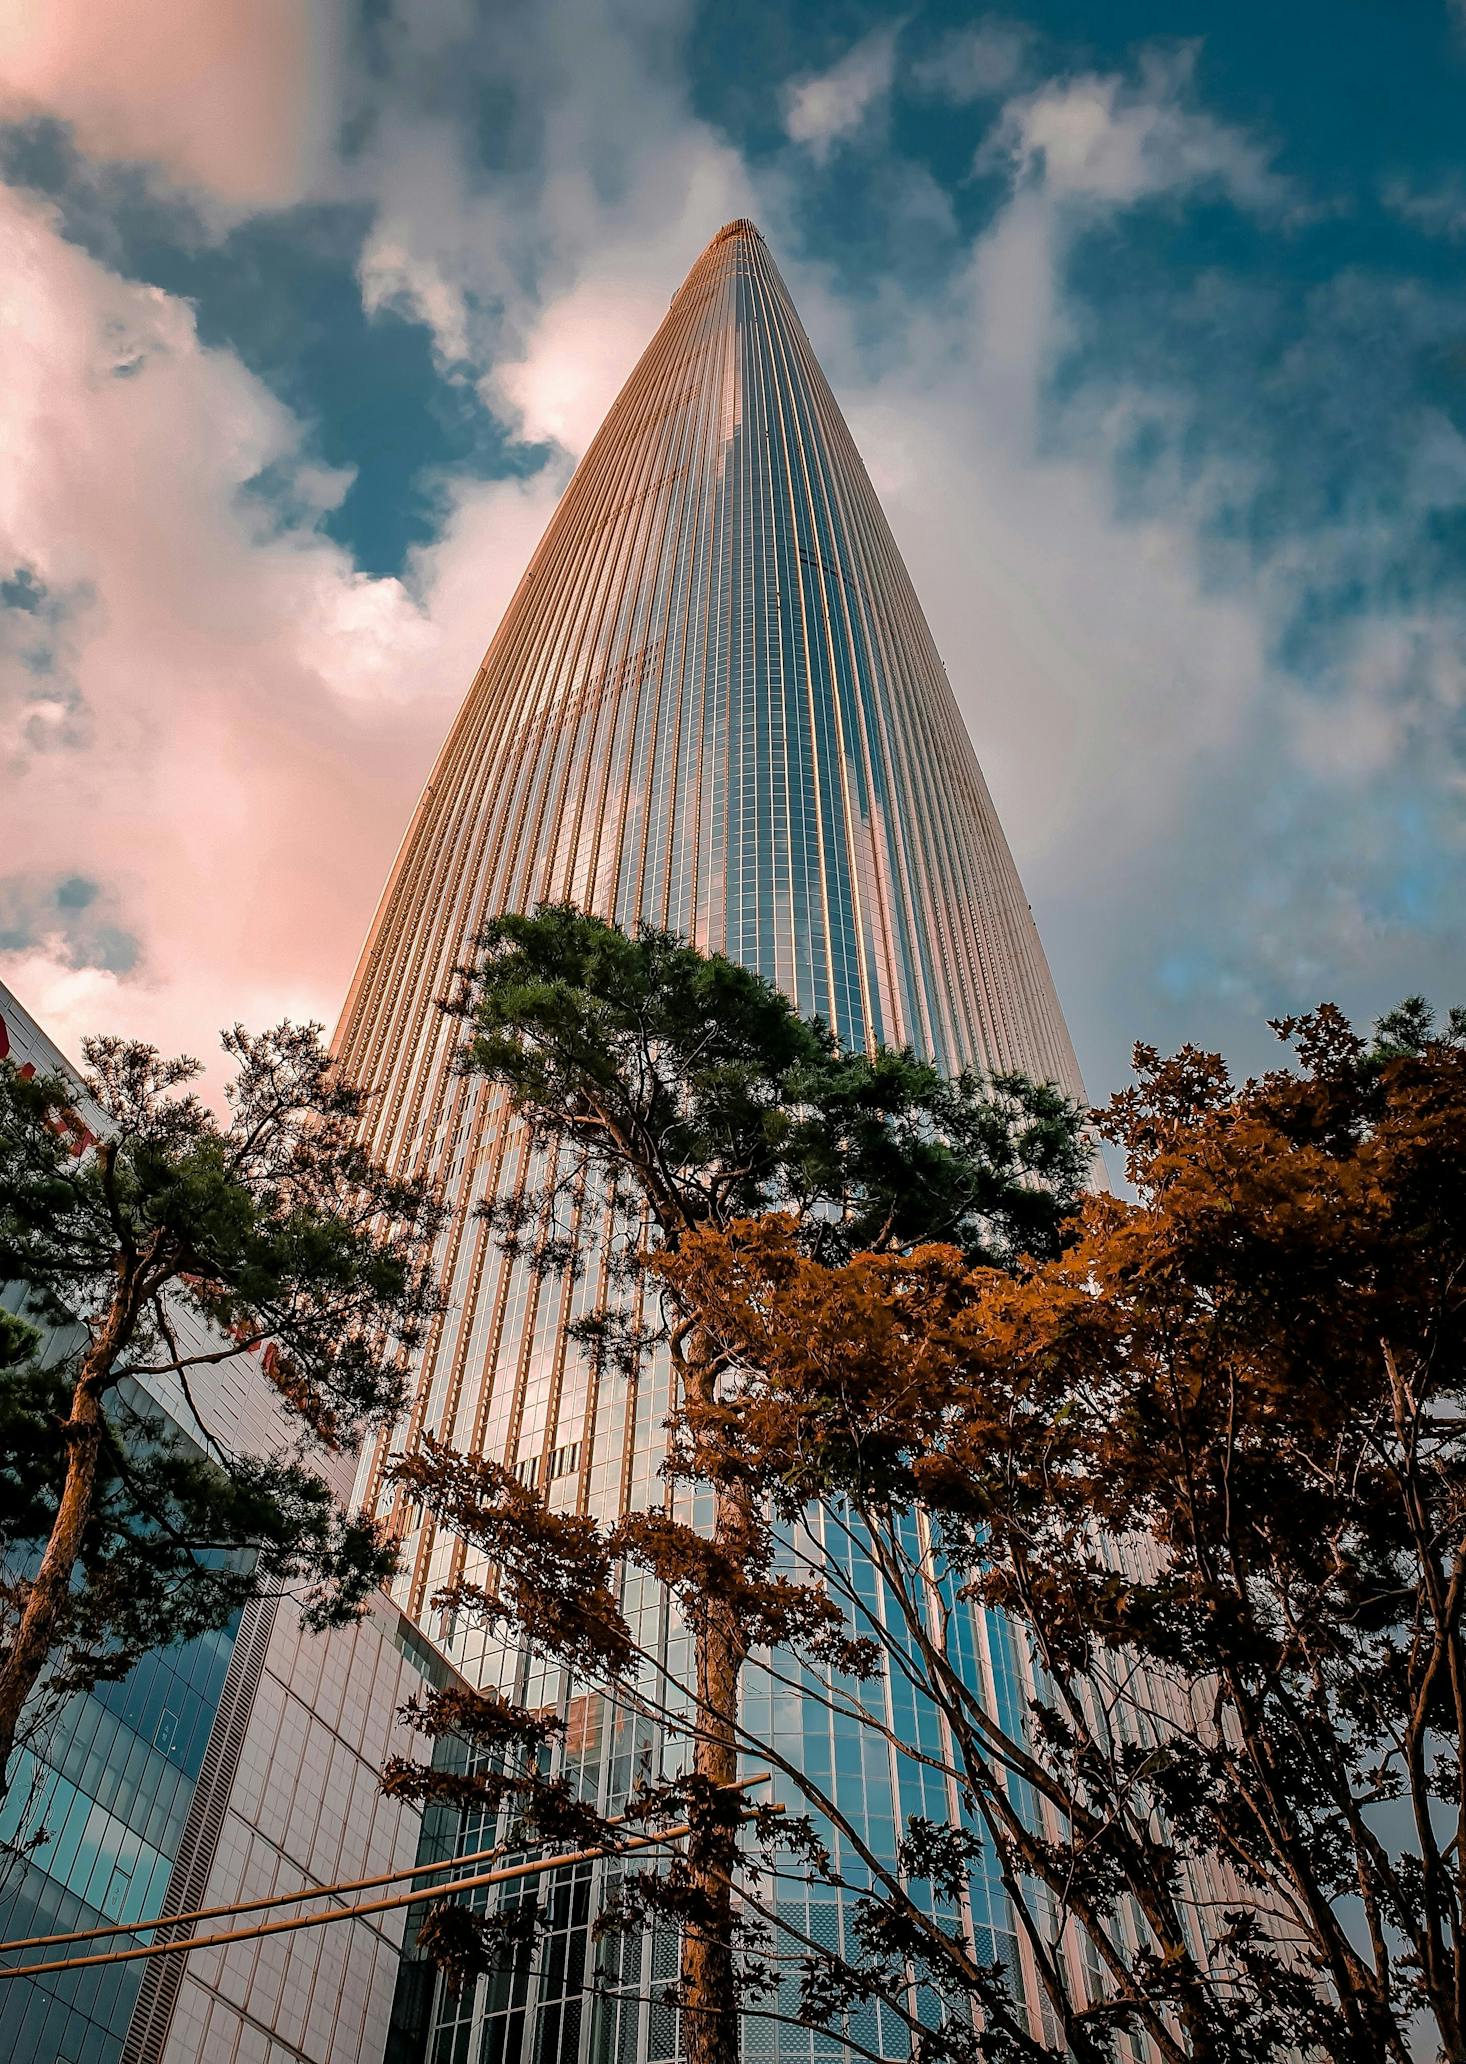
244 718
233 98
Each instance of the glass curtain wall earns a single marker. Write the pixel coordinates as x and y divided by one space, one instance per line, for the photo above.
92 1823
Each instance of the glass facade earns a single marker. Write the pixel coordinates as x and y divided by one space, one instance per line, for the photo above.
713 703
107 1791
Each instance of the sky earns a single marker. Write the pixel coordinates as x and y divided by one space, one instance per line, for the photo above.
1149 321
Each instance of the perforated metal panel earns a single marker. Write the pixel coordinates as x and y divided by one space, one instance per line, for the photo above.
188 1881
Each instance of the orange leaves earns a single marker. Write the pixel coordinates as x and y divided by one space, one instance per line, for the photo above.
885 1375
304 1398
554 1570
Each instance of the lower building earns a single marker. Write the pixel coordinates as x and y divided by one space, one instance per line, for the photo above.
223 1770
294 1800
109 1803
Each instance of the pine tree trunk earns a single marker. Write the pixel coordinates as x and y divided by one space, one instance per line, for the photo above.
708 1989
27 1656
709 1996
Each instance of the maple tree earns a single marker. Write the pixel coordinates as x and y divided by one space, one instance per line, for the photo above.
148 1255
1207 1464
682 1092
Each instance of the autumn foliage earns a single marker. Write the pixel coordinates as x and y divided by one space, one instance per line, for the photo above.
1209 1460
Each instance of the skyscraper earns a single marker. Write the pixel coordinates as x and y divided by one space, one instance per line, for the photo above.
713 703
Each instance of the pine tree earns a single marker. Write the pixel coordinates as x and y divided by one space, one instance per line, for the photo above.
686 1093
299 1257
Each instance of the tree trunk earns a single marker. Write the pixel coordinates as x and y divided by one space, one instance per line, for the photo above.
28 1654
709 1994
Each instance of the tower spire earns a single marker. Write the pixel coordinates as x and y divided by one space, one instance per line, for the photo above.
714 703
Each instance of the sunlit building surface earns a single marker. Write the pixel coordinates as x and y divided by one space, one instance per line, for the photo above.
713 703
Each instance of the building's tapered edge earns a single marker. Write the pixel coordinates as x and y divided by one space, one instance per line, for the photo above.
713 256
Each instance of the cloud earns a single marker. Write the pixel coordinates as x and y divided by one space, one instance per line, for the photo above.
233 99
40 709
976 63
1397 693
248 717
574 362
222 723
393 277
1114 141
70 918
1435 210
1094 668
545 281
440 248
546 278
827 108
575 352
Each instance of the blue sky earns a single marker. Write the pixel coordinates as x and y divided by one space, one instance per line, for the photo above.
1149 321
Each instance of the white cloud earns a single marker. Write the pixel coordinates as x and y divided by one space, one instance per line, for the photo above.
575 362
1437 210
68 1002
1095 670
575 351
829 107
975 63
1400 689
232 99
235 719
393 276
440 249
550 277
1112 141
244 718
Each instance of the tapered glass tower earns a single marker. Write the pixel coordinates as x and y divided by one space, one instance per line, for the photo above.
712 703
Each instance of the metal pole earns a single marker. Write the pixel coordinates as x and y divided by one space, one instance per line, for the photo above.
240 1906
350 1913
